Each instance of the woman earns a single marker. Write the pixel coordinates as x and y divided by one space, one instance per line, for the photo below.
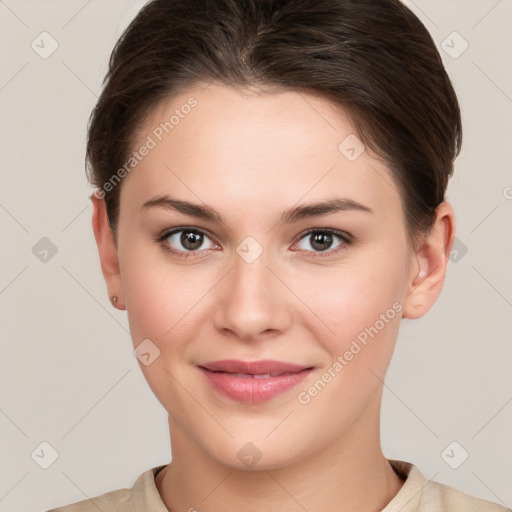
270 203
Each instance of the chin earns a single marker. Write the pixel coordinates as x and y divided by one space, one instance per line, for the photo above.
258 455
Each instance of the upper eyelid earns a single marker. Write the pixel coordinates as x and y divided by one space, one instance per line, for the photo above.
172 231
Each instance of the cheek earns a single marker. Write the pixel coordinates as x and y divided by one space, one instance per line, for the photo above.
163 299
356 299
159 309
150 298
363 313
143 303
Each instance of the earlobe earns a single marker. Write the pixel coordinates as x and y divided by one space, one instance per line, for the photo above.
107 250
430 260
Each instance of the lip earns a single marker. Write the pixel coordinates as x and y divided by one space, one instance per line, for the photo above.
253 381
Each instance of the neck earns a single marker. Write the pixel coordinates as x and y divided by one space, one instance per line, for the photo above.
348 475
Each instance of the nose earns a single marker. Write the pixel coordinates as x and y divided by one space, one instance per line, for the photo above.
253 303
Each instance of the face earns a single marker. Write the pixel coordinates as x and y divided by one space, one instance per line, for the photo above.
321 288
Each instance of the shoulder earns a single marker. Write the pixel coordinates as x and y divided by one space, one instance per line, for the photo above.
113 501
437 496
421 495
141 497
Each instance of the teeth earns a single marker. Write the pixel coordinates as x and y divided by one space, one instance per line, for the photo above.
261 376
257 376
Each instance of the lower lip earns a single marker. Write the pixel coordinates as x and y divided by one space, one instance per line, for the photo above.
251 389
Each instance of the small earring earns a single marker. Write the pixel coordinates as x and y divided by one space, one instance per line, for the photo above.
114 299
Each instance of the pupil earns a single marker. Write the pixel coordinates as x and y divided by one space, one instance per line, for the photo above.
321 237
189 238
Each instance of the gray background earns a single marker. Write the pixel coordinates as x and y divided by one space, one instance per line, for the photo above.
68 374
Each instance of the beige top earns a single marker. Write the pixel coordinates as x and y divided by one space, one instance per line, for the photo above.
416 495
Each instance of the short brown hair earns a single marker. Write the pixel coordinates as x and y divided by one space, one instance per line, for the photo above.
374 58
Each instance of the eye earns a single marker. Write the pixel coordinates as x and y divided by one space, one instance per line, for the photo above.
321 240
184 242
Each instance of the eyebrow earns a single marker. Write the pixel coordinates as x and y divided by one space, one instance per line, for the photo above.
289 216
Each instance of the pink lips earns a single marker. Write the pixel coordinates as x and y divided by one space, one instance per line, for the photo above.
253 381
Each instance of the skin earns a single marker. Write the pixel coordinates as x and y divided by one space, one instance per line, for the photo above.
251 156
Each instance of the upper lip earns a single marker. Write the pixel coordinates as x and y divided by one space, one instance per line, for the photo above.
253 367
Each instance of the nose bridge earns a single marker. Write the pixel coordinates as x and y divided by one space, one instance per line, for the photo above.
252 299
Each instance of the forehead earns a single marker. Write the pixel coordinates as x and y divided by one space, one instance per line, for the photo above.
246 151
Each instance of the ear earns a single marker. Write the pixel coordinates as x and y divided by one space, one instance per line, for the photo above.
429 262
107 250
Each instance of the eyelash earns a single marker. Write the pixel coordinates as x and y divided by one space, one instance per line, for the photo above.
346 240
